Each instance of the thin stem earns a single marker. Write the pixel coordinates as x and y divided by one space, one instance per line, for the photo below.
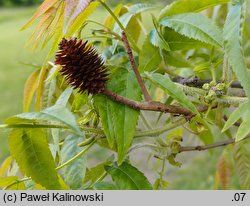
135 68
162 169
119 24
209 146
18 181
145 121
138 146
157 132
225 70
213 73
104 174
76 156
32 125
154 132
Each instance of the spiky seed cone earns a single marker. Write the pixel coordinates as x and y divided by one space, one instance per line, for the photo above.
82 66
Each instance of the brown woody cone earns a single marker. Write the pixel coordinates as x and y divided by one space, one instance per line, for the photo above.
82 66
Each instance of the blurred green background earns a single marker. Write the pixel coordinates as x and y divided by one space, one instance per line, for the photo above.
198 171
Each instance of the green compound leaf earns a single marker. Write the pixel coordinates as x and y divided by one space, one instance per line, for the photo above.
55 114
132 11
196 26
233 47
11 183
177 41
104 186
149 57
31 151
127 177
243 130
74 173
119 121
185 6
165 83
237 114
58 113
104 105
241 156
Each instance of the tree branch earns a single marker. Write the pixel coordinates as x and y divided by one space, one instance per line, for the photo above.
209 146
150 106
135 68
196 82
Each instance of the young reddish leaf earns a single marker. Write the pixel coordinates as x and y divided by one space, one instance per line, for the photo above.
57 32
72 10
241 156
81 18
53 28
42 27
224 170
47 4
41 79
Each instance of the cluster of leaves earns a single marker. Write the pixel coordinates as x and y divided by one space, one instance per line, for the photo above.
188 38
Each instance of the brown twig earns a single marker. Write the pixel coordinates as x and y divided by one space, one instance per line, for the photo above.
196 82
153 106
135 68
209 146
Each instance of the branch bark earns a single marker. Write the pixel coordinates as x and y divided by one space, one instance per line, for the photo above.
153 106
150 106
135 68
196 82
209 146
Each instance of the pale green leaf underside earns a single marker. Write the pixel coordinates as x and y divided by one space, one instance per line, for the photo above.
74 173
54 114
127 177
165 83
233 47
30 149
185 6
196 26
